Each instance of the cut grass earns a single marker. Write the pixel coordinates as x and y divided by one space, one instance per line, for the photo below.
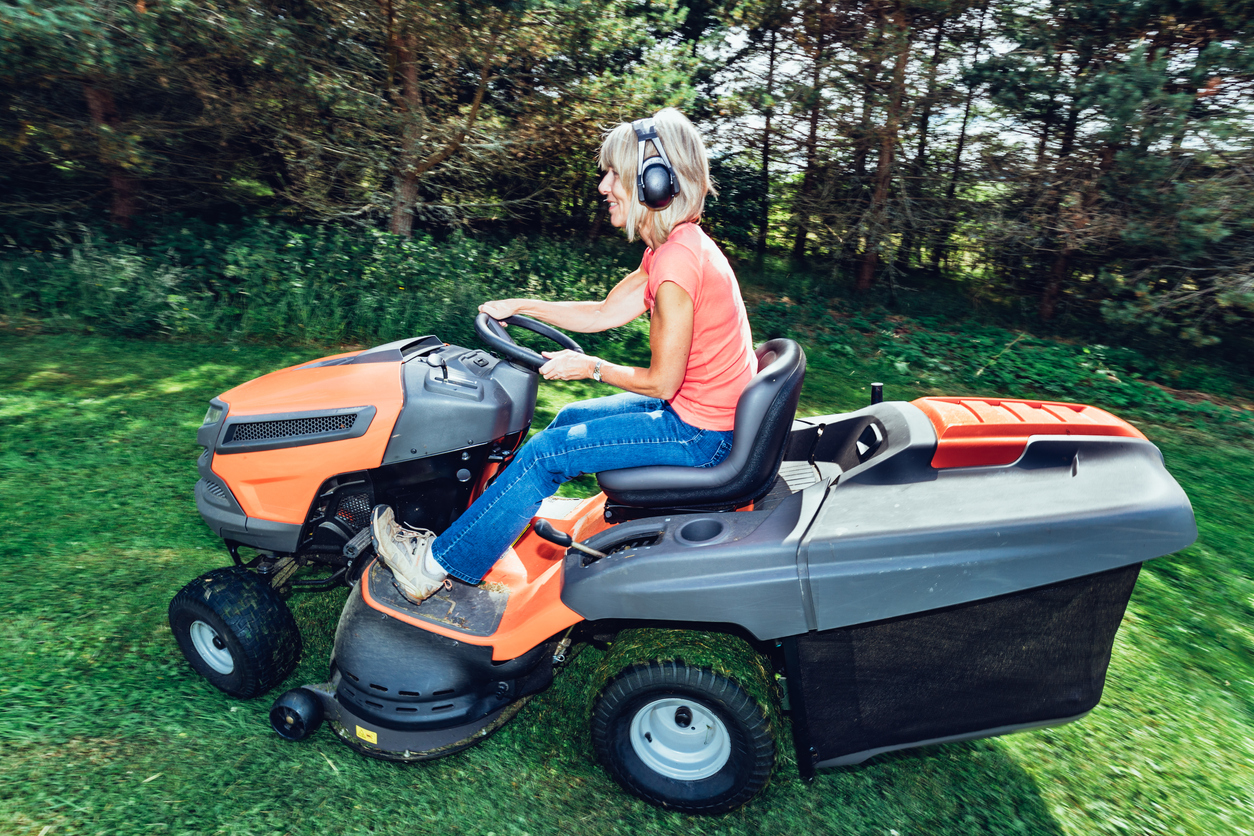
105 729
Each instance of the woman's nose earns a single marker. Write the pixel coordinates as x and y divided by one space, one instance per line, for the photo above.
606 183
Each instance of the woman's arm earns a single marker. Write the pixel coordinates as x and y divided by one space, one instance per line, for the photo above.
623 304
670 338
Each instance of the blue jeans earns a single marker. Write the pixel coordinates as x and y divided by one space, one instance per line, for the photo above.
587 437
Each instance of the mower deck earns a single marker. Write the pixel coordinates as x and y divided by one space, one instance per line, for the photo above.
407 746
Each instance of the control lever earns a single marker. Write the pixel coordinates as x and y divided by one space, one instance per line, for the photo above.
546 531
437 361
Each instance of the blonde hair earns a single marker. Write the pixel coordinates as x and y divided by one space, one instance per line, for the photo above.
686 151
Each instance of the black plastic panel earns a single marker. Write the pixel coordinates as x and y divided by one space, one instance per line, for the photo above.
403 677
1025 658
254 433
457 398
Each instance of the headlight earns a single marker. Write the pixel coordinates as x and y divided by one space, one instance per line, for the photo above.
213 416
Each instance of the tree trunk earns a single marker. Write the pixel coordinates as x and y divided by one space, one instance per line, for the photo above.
802 204
410 167
105 121
1053 289
1060 271
912 189
403 201
863 136
764 198
951 220
404 63
888 146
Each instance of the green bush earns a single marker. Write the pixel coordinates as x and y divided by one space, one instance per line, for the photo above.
276 282
116 289
992 361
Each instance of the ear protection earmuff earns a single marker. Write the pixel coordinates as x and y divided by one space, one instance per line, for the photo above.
656 183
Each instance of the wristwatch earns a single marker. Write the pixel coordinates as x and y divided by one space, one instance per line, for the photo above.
596 370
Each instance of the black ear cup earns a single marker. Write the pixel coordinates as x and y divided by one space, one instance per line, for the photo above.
656 184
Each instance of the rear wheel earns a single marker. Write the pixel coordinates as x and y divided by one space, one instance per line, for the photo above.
235 631
683 737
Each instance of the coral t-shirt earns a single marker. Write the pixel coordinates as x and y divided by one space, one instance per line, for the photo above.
721 361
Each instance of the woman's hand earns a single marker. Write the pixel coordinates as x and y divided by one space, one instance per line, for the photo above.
501 309
567 365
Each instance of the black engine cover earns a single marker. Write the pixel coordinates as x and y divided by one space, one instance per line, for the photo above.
405 678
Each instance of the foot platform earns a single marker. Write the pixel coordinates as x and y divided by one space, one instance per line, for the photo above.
473 610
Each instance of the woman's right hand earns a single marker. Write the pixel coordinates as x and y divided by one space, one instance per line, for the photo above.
501 309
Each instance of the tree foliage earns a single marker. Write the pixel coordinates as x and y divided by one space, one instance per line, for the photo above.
1090 160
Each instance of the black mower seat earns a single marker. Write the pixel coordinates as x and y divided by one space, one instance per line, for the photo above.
764 417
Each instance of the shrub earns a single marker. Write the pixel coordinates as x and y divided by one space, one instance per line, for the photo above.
278 282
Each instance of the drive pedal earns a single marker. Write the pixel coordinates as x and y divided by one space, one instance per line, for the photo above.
360 542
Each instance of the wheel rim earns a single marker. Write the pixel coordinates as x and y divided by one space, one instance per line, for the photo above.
211 647
288 723
681 739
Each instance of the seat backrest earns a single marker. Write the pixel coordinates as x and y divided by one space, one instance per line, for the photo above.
764 416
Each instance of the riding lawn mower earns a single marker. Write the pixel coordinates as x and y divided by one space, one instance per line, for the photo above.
896 576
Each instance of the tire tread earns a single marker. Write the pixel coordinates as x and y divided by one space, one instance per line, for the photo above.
644 677
258 620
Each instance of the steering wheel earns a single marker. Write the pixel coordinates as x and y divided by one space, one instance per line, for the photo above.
498 339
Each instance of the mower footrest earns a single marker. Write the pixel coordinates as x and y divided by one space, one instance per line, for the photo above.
474 610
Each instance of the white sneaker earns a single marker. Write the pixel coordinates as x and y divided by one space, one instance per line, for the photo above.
407 552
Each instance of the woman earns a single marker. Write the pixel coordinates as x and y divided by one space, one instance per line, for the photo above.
680 410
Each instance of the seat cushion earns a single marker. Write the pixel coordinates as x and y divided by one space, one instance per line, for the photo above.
764 417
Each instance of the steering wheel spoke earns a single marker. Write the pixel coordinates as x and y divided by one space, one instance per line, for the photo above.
498 339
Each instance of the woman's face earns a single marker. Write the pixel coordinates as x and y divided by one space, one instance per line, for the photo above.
616 195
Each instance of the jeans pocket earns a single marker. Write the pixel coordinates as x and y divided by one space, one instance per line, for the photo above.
724 447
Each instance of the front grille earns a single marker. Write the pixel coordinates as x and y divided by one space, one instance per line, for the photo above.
267 430
354 510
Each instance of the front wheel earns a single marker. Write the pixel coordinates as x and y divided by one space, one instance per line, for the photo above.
235 631
683 737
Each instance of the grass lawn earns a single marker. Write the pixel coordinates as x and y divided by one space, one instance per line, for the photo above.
105 729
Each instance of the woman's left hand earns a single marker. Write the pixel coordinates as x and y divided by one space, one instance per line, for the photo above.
567 365
501 309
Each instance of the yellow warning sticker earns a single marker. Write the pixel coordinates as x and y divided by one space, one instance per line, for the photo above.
367 735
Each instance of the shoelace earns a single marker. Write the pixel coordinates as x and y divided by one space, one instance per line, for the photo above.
415 534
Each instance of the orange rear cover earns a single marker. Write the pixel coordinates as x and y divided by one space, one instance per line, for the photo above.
993 431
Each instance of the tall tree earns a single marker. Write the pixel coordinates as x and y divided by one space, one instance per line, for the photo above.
897 23
128 107
912 187
814 34
1112 90
435 107
948 221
